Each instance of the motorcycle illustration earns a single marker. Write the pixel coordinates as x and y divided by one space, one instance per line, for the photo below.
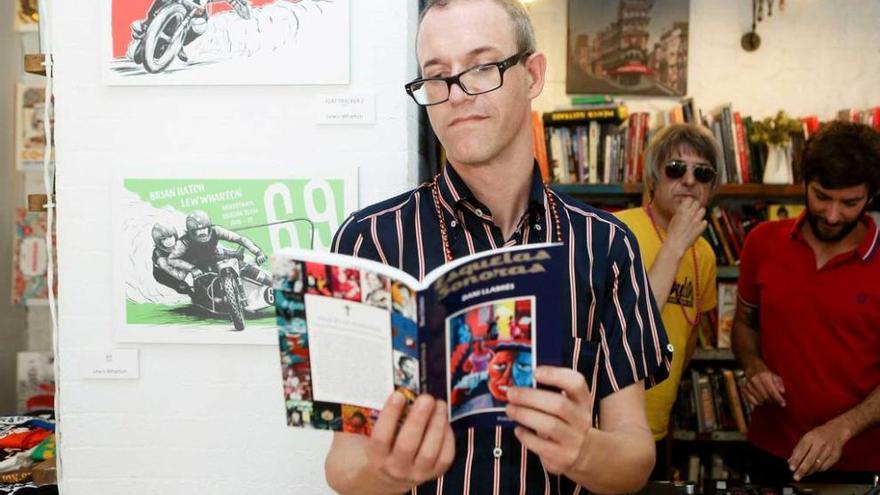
169 26
223 290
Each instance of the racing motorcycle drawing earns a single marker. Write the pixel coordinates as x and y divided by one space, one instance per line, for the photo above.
223 289
169 26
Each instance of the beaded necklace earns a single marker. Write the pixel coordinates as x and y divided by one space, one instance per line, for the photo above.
447 249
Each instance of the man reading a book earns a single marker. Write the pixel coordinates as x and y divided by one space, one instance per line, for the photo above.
807 325
681 176
480 70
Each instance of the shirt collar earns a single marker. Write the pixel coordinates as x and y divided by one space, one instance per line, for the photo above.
869 246
455 194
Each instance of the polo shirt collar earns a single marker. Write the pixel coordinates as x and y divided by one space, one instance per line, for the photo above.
867 249
455 194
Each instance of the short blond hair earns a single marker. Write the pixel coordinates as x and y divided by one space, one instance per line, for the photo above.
523 31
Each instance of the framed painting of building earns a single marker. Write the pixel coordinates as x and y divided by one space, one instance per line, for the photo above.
637 47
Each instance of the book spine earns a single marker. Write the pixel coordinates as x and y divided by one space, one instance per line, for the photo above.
584 116
741 145
594 140
716 222
736 408
730 156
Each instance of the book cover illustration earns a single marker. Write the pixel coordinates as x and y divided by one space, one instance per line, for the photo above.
351 331
194 252
489 350
241 42
30 132
30 259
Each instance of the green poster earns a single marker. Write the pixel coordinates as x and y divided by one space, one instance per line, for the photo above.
196 251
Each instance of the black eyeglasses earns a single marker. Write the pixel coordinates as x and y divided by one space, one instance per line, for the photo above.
474 81
703 172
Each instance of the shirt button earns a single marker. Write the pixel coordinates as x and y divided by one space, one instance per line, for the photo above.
479 213
497 452
538 227
670 348
453 223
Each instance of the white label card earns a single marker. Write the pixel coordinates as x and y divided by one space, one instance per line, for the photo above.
114 364
347 109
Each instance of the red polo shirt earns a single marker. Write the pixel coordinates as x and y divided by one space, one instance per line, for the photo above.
820 331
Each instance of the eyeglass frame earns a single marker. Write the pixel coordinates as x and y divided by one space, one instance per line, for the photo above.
502 66
704 165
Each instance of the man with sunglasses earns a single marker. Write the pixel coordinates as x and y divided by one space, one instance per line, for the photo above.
680 174
480 70
807 324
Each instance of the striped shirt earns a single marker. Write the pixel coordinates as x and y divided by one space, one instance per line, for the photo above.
617 337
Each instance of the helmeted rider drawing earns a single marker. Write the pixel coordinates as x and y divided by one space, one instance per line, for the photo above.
198 25
165 239
199 249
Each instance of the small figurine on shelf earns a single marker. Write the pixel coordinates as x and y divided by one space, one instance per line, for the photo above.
775 133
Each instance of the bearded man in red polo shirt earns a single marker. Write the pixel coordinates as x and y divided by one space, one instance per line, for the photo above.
807 327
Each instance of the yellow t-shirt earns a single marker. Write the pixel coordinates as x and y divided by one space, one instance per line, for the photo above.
661 397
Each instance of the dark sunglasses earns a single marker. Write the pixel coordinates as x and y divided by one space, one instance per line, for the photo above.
675 169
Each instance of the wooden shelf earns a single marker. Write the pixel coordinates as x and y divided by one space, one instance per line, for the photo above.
713 436
629 189
728 272
713 355
761 191
34 63
771 191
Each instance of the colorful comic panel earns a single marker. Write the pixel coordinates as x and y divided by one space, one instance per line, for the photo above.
345 283
357 420
318 279
376 289
406 371
403 301
327 416
299 414
404 336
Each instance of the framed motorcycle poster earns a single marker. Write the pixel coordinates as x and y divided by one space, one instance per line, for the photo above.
193 254
226 42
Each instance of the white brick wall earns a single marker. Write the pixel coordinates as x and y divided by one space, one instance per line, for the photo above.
816 57
201 419
205 419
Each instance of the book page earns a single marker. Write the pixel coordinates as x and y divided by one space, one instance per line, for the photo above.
350 351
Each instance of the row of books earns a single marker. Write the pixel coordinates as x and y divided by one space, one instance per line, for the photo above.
712 400
604 143
729 226
600 144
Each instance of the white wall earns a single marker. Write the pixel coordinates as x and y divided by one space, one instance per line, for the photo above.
201 419
816 57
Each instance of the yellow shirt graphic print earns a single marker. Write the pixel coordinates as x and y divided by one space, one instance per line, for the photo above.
660 398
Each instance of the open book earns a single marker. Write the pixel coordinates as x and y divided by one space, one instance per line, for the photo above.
352 330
